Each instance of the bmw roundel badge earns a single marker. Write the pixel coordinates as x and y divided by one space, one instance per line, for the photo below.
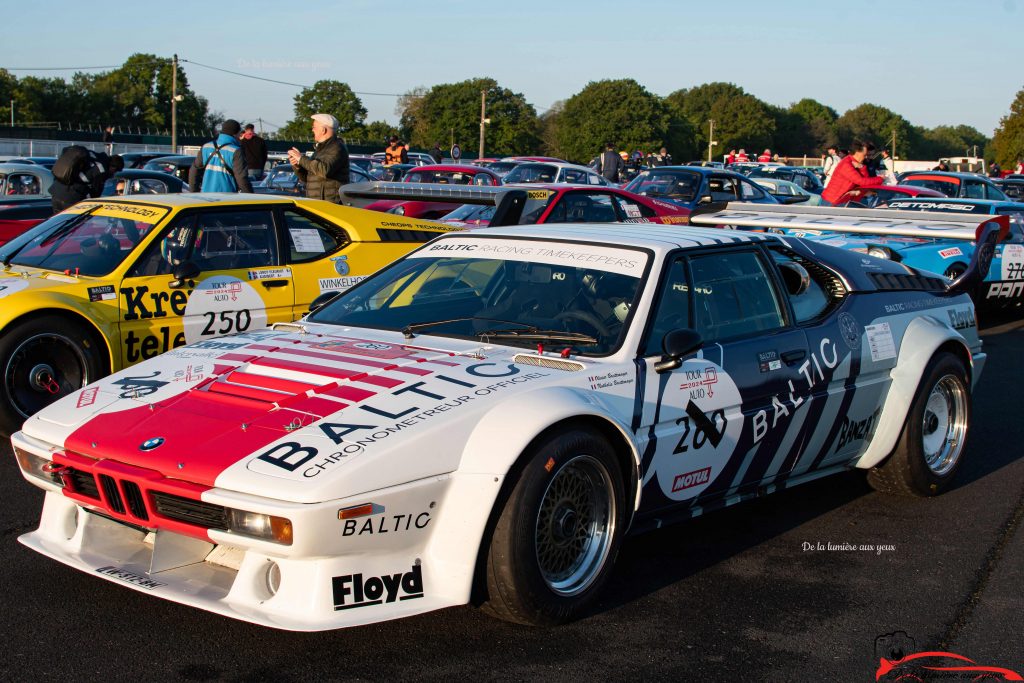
150 444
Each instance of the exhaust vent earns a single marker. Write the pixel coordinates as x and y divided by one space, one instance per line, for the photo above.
545 362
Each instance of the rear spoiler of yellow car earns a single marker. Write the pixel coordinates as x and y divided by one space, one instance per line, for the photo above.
508 200
984 230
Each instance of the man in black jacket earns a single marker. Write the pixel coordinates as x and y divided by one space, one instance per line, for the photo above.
327 170
610 164
87 181
255 150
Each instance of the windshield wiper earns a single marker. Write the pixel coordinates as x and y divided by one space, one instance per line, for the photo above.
409 329
535 334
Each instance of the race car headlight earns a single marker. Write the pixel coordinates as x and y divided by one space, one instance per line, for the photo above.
40 468
879 252
258 525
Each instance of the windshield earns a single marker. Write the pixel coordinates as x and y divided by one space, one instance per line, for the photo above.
507 285
94 245
532 173
474 214
502 167
950 187
447 177
673 184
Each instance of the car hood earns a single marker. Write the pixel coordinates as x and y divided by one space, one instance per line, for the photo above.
299 417
18 279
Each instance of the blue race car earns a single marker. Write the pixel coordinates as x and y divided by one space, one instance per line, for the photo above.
693 186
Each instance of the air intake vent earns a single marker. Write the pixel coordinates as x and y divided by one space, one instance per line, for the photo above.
133 496
84 484
190 511
545 362
918 282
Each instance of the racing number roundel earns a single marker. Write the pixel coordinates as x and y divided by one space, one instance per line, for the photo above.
701 412
223 305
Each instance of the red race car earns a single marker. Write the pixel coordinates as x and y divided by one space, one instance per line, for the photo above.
879 197
444 174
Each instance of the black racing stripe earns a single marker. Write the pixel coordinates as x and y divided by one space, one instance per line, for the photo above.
807 429
652 443
851 389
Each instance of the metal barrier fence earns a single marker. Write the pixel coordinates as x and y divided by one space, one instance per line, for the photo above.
52 148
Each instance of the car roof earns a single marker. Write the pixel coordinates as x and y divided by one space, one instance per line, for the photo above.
557 164
659 238
202 199
24 168
145 173
948 174
470 168
174 157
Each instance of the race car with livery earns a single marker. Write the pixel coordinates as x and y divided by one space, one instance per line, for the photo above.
441 174
693 186
488 417
879 197
108 283
954 184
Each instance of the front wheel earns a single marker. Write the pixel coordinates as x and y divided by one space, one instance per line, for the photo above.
934 435
42 360
557 536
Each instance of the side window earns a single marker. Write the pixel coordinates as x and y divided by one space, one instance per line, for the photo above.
629 209
308 239
148 186
1016 235
974 190
733 295
805 288
226 240
163 254
673 310
722 188
750 191
993 192
22 183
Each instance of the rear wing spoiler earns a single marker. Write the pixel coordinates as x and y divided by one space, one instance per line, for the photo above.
985 230
509 201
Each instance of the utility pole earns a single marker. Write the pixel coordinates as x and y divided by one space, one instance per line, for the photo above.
483 121
174 105
711 137
261 126
12 112
894 146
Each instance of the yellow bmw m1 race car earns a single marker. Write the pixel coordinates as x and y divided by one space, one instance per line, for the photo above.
107 284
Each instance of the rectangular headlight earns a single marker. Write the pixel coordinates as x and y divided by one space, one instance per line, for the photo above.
258 525
40 468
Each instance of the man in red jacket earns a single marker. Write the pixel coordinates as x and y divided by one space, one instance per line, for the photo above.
850 172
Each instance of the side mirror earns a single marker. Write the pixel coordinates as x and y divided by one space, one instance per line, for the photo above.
182 272
705 199
792 198
321 301
675 345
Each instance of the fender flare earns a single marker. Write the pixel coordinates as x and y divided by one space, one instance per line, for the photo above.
924 337
64 306
490 455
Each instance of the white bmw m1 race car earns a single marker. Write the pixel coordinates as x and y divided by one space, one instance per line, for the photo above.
484 420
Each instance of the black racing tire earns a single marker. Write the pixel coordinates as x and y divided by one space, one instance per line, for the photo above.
557 537
42 360
931 446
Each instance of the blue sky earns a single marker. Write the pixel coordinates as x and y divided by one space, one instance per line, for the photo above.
937 62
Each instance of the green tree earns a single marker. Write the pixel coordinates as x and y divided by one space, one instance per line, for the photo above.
875 124
548 124
451 112
741 120
947 141
324 97
619 111
8 87
814 128
1008 142
373 133
38 100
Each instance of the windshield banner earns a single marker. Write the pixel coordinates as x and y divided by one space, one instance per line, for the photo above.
136 212
622 261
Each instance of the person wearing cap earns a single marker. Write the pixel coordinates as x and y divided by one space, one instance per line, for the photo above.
394 152
327 170
255 150
219 165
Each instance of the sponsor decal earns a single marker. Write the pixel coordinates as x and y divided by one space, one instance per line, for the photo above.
339 284
690 479
675 220
363 427
130 577
608 380
138 387
861 430
1005 290
306 240
961 318
932 206
850 330
1013 262
813 371
611 259
700 383
141 214
768 361
365 348
355 590
10 285
87 397
102 293
384 524
341 266
951 252
880 342
912 305
270 274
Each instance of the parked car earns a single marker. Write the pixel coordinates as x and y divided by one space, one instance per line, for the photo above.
140 181
553 172
436 174
175 164
489 417
803 177
690 186
108 283
1013 188
140 159
19 182
965 185
786 192
880 197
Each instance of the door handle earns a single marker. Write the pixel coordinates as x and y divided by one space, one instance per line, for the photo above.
275 283
794 356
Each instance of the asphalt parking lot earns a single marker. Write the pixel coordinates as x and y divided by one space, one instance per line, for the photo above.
744 594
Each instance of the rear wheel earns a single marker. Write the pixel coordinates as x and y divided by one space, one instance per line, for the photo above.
42 360
934 435
557 537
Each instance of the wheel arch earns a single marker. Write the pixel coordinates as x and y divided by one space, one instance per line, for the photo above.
71 315
925 336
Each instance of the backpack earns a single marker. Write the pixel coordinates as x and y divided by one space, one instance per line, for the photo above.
72 161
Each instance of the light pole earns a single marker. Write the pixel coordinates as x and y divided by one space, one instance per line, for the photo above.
174 105
483 121
711 137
